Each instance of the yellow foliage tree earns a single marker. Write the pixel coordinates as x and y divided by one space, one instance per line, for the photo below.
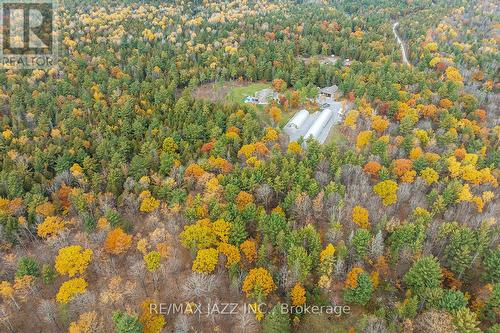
479 204
487 196
387 190
152 260
243 199
360 217
453 74
7 134
298 295
249 249
149 204
432 46
374 276
275 114
222 229
327 253
258 282
152 322
246 150
326 265
465 194
363 138
70 289
72 260
271 135
294 147
206 260
379 124
429 175
7 292
351 118
88 322
51 226
416 153
231 252
198 236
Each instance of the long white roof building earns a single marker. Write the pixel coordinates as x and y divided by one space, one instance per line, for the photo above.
316 125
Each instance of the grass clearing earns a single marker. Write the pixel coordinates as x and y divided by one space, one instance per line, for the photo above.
229 92
335 136
238 94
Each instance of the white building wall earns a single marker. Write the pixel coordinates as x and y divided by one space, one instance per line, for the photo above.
298 119
320 123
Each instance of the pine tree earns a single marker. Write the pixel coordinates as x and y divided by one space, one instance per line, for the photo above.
424 274
277 321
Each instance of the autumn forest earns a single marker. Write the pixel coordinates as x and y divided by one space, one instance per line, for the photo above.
146 186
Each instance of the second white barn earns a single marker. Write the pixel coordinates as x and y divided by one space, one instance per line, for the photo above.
316 125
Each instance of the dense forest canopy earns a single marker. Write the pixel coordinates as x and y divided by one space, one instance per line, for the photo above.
120 188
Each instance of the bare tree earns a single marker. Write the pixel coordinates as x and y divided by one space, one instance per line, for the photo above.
182 324
302 207
200 285
264 194
246 323
5 318
339 269
285 279
321 177
318 205
433 322
138 271
375 325
48 311
84 302
377 248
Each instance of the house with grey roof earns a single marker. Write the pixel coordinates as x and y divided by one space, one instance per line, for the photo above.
263 96
329 92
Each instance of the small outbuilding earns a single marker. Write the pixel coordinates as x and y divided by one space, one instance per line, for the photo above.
264 96
329 92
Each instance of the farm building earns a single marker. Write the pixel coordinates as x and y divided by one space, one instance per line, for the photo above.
329 92
326 97
347 62
263 96
316 125
331 60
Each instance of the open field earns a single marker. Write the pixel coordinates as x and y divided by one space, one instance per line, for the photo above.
335 136
322 59
238 93
231 91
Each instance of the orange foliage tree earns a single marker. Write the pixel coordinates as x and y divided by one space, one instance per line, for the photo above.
372 168
249 249
117 241
401 166
379 124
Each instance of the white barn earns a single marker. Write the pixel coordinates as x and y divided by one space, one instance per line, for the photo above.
316 125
